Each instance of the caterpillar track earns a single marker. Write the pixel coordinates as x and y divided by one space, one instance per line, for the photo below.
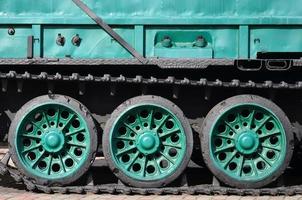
173 83
119 188
138 79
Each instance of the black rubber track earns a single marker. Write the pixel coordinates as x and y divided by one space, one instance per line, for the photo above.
121 189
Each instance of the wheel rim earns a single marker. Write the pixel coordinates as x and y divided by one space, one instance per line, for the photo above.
147 142
52 141
248 142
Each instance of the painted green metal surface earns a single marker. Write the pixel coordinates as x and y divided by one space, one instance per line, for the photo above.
231 28
14 45
275 39
221 42
155 11
248 142
94 43
52 141
147 142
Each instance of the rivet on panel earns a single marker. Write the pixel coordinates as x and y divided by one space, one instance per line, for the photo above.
200 41
11 31
167 42
60 40
76 40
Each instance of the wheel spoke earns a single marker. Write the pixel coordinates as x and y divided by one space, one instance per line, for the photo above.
139 120
144 166
230 159
271 148
125 138
37 160
72 157
133 160
76 145
46 119
61 160
68 121
263 122
49 164
58 117
129 127
241 166
224 148
75 132
151 119
35 124
224 136
254 167
156 165
30 136
32 148
171 161
239 119
171 145
126 150
169 133
251 119
264 159
162 122
230 126
269 134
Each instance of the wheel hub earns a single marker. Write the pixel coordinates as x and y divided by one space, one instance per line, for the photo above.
247 142
53 140
148 142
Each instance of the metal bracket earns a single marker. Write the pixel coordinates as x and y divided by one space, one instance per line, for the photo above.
215 181
30 47
5 159
110 31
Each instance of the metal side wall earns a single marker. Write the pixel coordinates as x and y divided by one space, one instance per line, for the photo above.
230 29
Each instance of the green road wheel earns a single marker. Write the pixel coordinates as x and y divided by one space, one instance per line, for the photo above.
147 142
53 140
247 141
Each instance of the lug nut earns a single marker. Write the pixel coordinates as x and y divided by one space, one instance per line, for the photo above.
167 42
11 31
76 40
200 42
60 40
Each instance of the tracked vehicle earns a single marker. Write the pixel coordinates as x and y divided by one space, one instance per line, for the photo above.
147 87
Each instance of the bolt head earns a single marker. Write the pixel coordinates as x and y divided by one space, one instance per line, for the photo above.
200 42
11 31
76 40
60 40
167 42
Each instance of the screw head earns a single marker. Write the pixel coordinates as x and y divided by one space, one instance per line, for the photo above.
200 41
167 42
76 40
11 31
60 40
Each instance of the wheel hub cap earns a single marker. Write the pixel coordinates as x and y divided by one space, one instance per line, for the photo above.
53 141
247 142
148 142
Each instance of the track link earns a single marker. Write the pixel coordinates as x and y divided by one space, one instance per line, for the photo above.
170 80
205 189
